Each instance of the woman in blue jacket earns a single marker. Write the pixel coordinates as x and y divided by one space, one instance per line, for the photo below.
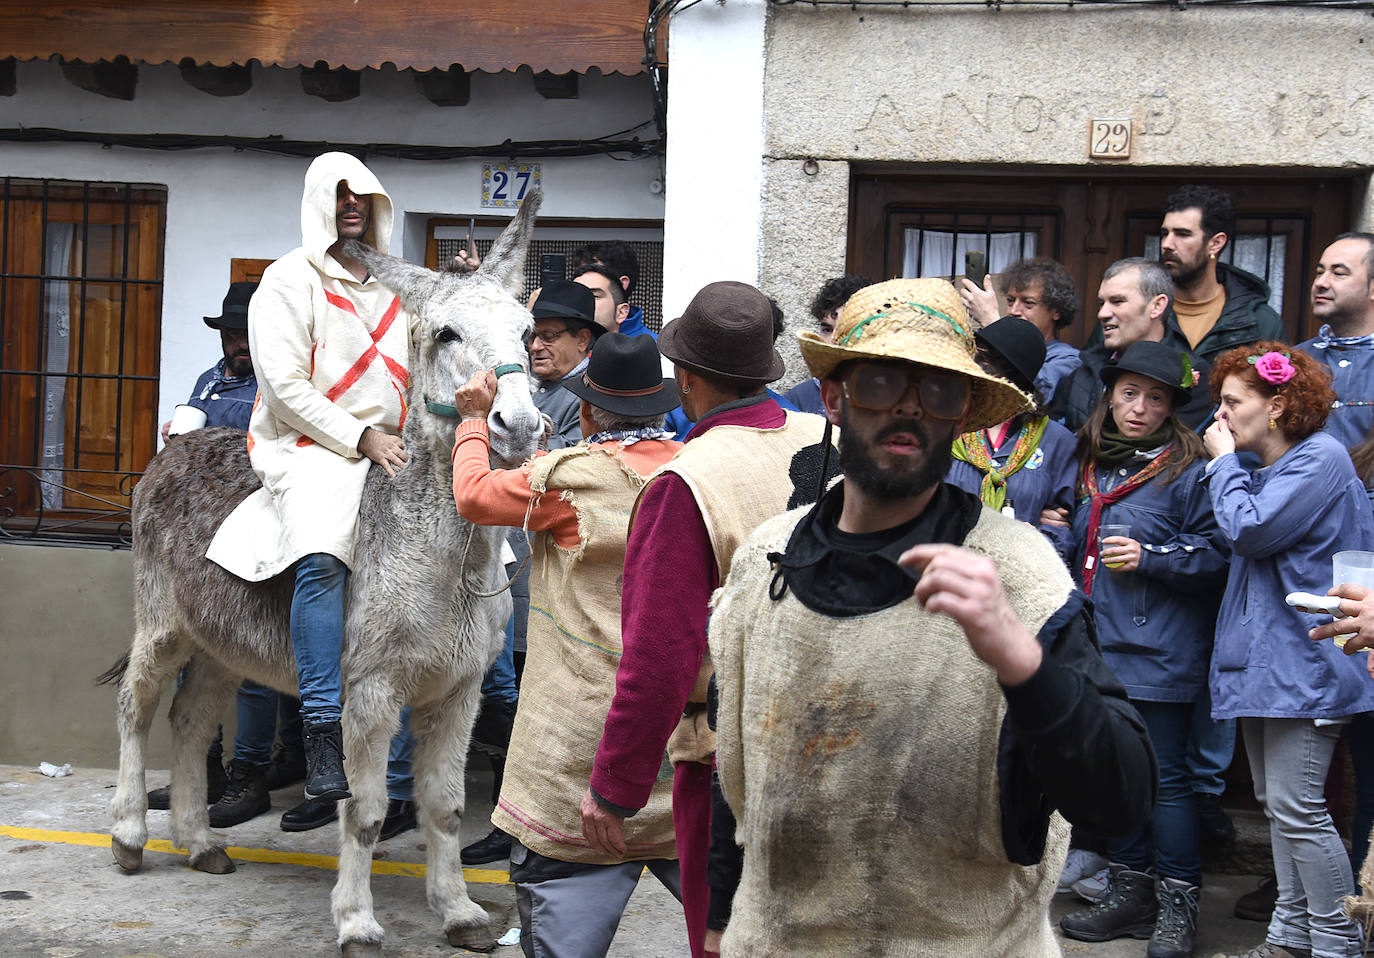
1025 465
1154 593
1292 695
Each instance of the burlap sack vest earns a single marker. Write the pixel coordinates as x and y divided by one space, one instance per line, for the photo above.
739 476
570 666
860 755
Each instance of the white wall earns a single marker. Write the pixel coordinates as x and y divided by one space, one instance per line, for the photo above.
223 204
715 148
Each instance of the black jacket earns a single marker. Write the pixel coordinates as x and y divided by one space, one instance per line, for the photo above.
1246 317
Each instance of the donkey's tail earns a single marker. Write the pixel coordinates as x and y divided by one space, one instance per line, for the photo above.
114 673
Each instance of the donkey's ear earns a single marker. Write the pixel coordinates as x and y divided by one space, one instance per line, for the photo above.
505 261
413 284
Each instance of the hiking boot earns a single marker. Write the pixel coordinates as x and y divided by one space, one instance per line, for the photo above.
246 796
494 848
215 782
1269 950
491 734
324 758
1176 927
1127 909
287 768
1258 905
400 817
1081 864
1214 825
309 814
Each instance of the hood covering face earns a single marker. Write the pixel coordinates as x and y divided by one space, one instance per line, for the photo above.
318 231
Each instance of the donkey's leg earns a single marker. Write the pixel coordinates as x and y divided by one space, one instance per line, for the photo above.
153 659
371 716
200 703
441 731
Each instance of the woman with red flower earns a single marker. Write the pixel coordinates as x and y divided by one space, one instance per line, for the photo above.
1292 695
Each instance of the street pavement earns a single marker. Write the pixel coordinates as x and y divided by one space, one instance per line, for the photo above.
62 896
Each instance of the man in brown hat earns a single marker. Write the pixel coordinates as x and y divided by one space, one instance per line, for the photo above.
573 503
909 687
744 460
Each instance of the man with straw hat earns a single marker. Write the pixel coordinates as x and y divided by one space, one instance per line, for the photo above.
910 691
744 460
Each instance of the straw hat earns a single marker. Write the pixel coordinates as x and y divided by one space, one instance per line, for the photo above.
920 321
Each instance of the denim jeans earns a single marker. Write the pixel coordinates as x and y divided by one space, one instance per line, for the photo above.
1289 759
257 718
400 780
499 683
317 619
1170 841
1211 749
1359 739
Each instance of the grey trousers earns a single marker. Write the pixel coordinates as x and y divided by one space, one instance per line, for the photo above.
570 910
1289 759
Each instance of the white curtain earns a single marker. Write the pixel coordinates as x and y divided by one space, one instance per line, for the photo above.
1255 253
57 321
933 252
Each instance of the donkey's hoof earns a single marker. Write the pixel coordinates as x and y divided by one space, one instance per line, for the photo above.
126 857
361 949
213 861
471 937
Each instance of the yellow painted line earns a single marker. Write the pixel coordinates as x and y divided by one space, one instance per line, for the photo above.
476 876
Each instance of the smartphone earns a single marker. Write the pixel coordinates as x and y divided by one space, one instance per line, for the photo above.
552 267
975 266
471 244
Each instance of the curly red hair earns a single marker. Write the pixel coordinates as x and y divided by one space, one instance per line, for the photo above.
1309 392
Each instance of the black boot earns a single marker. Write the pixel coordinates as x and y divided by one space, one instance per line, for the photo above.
1176 927
1127 908
324 758
245 798
491 734
1214 824
400 817
311 813
215 783
287 768
494 848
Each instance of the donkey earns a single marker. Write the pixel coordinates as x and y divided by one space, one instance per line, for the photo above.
425 611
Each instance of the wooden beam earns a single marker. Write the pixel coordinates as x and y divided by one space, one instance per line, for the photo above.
8 83
330 84
451 87
115 78
556 86
233 80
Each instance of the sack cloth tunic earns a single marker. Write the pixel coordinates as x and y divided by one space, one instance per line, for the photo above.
330 353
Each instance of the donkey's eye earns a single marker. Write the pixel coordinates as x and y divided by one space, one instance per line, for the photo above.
446 334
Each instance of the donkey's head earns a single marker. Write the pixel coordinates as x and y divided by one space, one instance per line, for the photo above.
468 322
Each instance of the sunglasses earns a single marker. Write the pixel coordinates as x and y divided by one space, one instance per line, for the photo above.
879 387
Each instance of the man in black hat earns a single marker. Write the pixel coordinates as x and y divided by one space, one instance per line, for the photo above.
573 503
565 328
746 459
225 392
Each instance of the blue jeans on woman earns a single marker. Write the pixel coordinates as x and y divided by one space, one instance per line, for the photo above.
1170 841
317 623
1289 759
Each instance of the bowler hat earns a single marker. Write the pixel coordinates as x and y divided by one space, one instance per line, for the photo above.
726 331
919 321
563 299
234 312
1164 364
1019 344
625 376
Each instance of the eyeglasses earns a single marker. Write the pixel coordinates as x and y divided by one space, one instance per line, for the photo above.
548 337
879 387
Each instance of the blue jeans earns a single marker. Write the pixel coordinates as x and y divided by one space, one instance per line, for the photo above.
1212 747
400 780
317 620
1289 759
1170 840
499 683
257 717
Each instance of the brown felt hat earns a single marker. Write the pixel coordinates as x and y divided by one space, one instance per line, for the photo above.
920 321
726 331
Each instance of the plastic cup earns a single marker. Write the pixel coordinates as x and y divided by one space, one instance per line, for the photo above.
1106 531
1356 568
186 419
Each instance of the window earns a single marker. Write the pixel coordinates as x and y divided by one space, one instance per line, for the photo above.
80 297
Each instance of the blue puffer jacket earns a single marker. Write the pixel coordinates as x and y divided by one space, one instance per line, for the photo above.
1284 523
1156 623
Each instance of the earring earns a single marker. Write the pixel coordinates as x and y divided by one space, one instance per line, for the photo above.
1272 424
686 389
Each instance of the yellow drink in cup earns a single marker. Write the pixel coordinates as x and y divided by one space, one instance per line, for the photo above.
1107 531
1353 567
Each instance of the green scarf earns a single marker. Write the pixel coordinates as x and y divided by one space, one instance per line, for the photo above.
973 448
1114 448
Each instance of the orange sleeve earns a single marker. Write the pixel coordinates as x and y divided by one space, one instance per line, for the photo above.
501 497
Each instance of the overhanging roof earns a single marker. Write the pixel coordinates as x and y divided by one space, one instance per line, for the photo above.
493 35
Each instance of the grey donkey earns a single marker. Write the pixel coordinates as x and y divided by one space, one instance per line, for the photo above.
425 613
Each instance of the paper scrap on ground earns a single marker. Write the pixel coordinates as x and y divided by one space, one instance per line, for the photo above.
54 771
511 937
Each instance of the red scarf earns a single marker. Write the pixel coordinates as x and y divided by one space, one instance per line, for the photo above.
1101 499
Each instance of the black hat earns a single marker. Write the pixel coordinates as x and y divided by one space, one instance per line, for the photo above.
1164 364
234 312
624 376
726 331
562 299
1019 344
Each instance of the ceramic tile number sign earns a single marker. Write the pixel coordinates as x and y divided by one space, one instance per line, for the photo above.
504 185
1109 140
